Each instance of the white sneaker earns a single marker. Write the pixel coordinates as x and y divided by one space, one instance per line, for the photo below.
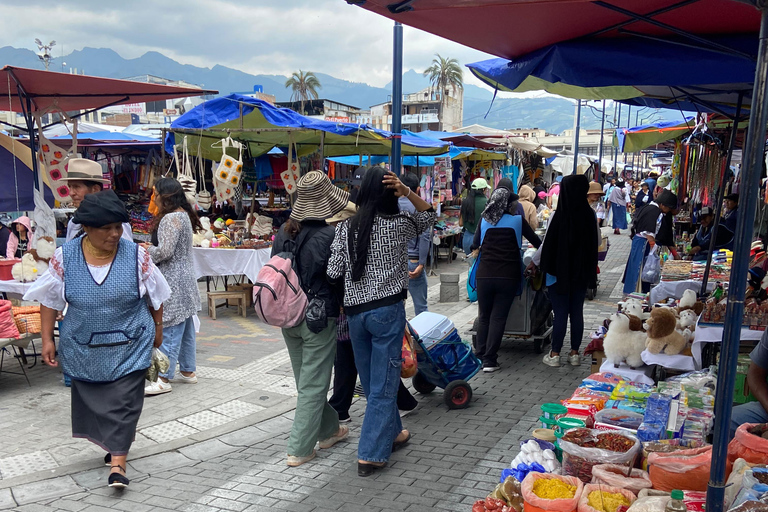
575 360
186 380
157 388
342 433
491 369
553 361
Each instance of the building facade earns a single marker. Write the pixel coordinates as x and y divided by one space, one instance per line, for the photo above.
423 110
329 110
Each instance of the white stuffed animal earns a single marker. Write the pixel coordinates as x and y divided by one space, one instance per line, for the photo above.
622 343
29 269
688 320
688 300
205 235
635 308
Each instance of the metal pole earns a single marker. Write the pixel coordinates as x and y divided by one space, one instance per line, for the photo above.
721 193
397 97
616 123
576 137
31 130
600 149
751 169
629 120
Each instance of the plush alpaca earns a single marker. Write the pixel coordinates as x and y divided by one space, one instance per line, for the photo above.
634 308
205 234
688 319
689 301
44 249
29 269
663 338
624 341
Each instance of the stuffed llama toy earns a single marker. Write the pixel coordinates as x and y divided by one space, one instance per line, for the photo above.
663 338
622 342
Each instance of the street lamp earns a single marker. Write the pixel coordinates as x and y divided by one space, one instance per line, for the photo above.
46 49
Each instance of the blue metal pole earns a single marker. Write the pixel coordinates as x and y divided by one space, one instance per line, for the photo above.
600 149
397 98
617 124
751 169
576 138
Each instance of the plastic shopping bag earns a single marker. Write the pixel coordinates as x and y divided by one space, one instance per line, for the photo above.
409 365
535 504
684 469
652 267
748 444
472 280
160 364
584 505
616 476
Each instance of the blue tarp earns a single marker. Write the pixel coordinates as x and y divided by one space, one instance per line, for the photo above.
636 71
410 161
110 137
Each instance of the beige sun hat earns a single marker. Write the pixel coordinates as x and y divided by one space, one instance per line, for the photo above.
83 169
317 198
595 188
344 214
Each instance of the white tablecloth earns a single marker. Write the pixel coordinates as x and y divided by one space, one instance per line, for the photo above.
713 334
229 262
676 288
14 288
678 362
641 375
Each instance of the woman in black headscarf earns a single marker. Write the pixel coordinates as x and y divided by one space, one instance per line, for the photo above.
499 270
568 257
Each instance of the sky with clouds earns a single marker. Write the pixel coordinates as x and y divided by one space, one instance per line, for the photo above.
261 36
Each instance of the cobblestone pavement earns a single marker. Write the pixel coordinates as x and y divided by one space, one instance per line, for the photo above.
221 444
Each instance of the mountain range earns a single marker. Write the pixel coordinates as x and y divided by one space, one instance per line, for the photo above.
551 113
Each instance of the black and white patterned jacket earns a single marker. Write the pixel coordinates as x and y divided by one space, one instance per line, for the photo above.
386 271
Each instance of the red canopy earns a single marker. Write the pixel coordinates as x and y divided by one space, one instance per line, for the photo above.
79 92
511 28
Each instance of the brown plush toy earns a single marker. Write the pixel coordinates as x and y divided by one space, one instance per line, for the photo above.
662 336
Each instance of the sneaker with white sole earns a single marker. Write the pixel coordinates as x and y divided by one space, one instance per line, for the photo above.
491 368
575 360
186 380
294 461
550 360
157 388
342 433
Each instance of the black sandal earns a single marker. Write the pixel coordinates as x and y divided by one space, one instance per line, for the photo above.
117 480
399 444
368 469
108 459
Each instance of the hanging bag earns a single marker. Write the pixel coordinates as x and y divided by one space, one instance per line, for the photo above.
229 171
55 159
184 173
203 196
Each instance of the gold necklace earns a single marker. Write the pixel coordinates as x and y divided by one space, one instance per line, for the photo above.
95 252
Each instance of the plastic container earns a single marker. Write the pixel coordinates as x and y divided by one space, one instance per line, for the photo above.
553 411
549 424
544 434
566 424
676 503
5 269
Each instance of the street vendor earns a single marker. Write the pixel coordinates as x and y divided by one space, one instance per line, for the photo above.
700 244
645 229
84 177
731 212
757 379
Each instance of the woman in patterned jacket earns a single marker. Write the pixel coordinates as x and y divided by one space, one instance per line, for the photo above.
370 252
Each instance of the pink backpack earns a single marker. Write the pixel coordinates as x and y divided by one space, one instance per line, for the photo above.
277 295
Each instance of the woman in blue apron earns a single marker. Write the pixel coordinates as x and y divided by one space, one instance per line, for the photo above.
499 270
114 297
703 237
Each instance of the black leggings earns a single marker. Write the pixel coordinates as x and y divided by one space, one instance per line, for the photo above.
564 306
494 298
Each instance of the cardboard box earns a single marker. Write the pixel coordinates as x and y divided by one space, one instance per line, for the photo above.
597 361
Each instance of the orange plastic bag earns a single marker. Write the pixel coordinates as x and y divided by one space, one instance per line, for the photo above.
153 209
584 500
748 444
409 355
533 503
685 469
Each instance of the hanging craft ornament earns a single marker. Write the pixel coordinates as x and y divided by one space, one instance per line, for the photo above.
229 171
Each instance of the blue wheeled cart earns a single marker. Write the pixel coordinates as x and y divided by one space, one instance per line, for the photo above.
444 360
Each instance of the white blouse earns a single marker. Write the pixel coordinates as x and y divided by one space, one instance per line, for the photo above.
48 289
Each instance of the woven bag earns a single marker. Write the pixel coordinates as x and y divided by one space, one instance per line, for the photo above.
27 319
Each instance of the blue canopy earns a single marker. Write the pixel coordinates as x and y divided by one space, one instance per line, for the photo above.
263 126
635 71
109 138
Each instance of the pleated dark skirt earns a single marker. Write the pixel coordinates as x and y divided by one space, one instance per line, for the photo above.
106 413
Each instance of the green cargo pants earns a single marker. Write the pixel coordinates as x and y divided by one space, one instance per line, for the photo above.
312 358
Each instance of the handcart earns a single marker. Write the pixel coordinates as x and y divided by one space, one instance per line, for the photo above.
444 360
602 253
530 319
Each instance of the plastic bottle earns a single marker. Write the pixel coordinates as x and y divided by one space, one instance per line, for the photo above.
675 504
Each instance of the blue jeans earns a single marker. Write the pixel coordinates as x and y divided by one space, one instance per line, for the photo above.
418 288
179 345
377 339
466 241
751 412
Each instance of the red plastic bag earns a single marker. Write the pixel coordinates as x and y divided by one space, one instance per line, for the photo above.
748 445
535 504
685 469
584 500
616 476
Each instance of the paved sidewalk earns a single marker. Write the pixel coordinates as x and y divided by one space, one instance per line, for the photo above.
220 445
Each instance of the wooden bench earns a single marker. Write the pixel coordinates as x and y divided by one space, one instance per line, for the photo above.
241 296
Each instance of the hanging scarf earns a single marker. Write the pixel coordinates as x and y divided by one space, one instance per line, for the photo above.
497 205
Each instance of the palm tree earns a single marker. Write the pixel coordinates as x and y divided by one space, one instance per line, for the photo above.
444 73
304 87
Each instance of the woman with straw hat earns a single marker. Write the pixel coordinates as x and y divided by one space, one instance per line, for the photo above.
312 353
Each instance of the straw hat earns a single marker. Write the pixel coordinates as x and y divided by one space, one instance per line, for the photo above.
344 214
83 169
595 188
317 198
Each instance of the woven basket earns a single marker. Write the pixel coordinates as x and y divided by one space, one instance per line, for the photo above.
27 319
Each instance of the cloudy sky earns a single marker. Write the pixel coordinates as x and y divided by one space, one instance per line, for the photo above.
257 36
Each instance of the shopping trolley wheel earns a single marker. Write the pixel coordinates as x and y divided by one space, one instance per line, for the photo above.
421 384
457 394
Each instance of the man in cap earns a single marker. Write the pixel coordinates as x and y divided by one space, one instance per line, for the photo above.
731 212
84 177
418 250
701 240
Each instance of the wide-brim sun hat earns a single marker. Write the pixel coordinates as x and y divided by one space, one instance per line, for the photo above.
347 212
83 169
595 188
480 184
317 198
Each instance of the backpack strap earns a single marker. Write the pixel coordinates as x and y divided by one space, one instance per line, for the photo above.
298 243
